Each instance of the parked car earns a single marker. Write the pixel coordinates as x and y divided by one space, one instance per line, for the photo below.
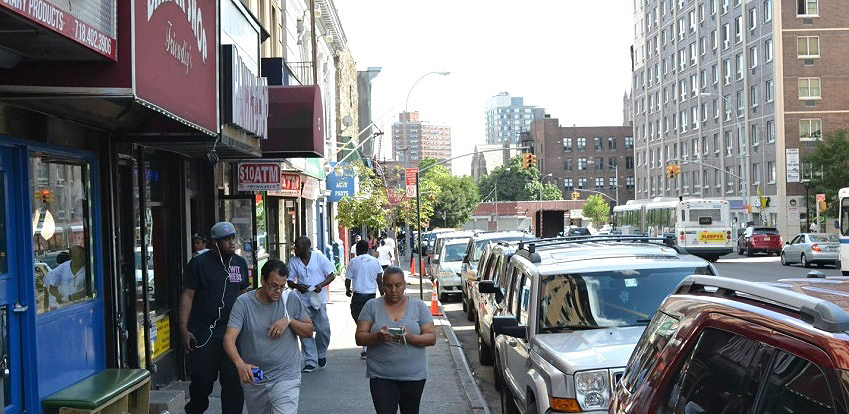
812 248
494 259
573 312
723 345
438 243
448 263
474 253
760 240
575 231
428 239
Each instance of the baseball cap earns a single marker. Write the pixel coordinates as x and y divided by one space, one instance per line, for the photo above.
222 229
198 236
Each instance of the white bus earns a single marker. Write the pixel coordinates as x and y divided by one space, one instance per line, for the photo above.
702 227
843 227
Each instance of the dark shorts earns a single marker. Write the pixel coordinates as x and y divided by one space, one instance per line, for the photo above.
358 300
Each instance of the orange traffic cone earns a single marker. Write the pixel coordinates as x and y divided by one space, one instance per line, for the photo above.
412 266
434 302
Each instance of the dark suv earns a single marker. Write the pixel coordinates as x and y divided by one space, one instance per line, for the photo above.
721 345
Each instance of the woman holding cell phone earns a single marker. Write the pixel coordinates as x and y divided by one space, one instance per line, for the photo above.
396 328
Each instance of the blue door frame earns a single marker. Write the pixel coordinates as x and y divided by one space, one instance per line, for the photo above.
53 355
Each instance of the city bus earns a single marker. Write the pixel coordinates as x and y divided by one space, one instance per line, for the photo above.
843 228
702 227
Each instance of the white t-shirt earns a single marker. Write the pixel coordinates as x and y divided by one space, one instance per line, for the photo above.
384 255
66 282
312 274
354 249
390 242
362 271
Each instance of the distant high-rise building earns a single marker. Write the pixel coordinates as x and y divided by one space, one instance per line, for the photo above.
507 116
364 78
414 140
627 110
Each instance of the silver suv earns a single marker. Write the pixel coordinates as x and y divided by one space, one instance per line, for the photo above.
574 310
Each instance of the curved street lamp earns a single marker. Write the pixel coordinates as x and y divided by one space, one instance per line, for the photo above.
445 73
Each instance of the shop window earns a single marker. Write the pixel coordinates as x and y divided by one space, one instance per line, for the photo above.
61 237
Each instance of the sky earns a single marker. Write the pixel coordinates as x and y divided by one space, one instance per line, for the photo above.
570 57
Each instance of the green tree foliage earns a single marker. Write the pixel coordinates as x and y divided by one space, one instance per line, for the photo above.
828 169
405 212
516 183
597 210
457 199
369 207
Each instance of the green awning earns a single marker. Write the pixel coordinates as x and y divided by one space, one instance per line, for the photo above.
314 168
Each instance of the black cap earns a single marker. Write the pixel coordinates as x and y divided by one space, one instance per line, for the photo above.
198 236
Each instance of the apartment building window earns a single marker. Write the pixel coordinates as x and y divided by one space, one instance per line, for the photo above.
701 12
724 6
770 132
685 177
629 142
715 108
808 8
582 164
753 96
753 57
597 143
612 183
738 60
808 47
753 18
741 140
629 182
611 143
809 88
567 164
599 163
611 163
704 112
770 90
693 54
694 85
682 59
810 129
768 50
756 174
729 183
713 39
694 116
738 29
727 73
767 10
629 162
756 135
684 121
717 179
770 168
728 143
704 145
695 147
696 188
684 150
582 183
567 182
599 182
682 88
582 144
726 35
567 144
714 73
725 103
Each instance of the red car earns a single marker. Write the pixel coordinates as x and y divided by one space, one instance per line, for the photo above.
760 240
721 345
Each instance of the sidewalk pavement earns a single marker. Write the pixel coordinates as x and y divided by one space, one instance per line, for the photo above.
342 385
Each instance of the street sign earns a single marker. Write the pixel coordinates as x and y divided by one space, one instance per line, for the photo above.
340 181
820 197
291 186
259 176
395 196
410 181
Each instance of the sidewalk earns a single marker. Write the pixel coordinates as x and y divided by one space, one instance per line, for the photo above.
343 387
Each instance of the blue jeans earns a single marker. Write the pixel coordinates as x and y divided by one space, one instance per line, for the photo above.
317 348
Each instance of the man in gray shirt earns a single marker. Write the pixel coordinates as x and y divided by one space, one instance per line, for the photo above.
262 341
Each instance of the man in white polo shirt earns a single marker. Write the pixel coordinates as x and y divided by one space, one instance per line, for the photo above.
362 281
309 273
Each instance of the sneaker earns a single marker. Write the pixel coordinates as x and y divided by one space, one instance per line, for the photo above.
322 362
309 368
363 355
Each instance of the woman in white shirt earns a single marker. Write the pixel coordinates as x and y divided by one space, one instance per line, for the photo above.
385 255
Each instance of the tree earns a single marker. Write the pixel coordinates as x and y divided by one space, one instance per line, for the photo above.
405 212
597 210
457 199
515 183
369 207
828 169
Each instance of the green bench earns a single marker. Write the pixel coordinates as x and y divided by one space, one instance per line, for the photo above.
111 391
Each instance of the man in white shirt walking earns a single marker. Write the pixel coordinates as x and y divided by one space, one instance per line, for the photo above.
362 281
385 255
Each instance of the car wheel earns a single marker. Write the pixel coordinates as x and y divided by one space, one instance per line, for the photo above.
784 261
470 313
845 272
749 251
484 352
508 404
804 261
465 306
443 298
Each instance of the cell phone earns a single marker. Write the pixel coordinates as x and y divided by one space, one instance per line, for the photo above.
396 331
258 375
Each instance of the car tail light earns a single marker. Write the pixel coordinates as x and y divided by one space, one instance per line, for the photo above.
780 240
815 247
728 234
682 236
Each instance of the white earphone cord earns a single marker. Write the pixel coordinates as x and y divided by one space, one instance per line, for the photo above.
223 292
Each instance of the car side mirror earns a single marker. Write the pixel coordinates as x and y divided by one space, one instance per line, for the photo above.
507 325
487 286
787 243
466 259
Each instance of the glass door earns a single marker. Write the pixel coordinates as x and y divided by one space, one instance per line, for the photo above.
11 307
241 211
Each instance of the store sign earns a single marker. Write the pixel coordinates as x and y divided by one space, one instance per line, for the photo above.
410 181
176 59
90 23
793 165
395 196
340 181
259 176
244 99
311 189
290 185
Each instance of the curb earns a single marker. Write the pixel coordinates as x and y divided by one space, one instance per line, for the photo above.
470 386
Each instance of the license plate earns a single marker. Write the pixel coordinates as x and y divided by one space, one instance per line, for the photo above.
712 237
766 238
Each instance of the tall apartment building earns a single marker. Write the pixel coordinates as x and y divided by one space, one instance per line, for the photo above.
507 117
585 158
736 93
414 140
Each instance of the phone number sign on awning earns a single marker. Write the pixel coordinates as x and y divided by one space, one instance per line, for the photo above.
259 176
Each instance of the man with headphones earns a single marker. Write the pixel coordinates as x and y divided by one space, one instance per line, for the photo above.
211 283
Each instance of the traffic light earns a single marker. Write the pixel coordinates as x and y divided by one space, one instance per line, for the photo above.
528 160
576 195
672 170
533 160
822 206
45 196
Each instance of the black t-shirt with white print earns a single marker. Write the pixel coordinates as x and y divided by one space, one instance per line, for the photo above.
206 275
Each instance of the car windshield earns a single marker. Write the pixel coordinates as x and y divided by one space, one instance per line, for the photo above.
823 238
765 231
625 297
480 244
453 252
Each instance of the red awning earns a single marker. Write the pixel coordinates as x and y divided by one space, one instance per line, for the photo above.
294 123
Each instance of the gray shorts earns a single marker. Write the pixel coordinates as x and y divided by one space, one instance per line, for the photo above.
278 397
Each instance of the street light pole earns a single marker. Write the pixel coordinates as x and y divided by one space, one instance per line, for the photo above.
445 73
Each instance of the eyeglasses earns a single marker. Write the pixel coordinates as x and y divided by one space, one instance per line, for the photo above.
277 288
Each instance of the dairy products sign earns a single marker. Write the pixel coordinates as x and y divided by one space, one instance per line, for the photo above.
793 169
259 176
176 59
90 23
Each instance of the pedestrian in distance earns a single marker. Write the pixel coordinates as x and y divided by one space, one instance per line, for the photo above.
198 244
389 240
385 255
362 281
309 273
357 238
262 341
396 328
211 283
